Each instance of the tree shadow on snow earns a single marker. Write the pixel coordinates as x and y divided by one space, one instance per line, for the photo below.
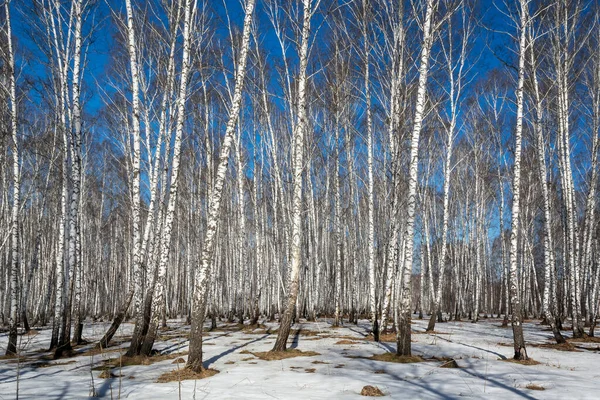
231 350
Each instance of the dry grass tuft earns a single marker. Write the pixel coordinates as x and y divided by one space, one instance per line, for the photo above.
319 362
560 347
230 362
392 357
178 361
533 386
137 360
346 341
107 374
184 374
450 364
371 391
248 359
379 371
340 366
281 355
388 337
585 339
48 364
529 361
310 370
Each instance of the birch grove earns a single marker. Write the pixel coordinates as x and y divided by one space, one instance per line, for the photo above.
288 162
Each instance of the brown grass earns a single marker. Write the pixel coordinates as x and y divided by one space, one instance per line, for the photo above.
371 391
248 359
585 339
340 366
319 362
107 374
554 346
346 341
387 337
529 361
310 370
137 360
48 364
184 374
379 371
560 347
450 364
230 362
533 386
178 361
281 355
393 357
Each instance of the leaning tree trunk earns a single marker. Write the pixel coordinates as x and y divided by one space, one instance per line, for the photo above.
296 220
158 295
203 273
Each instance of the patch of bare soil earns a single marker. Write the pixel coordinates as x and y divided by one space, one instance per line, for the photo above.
184 374
346 341
281 355
137 360
108 374
533 386
388 337
449 364
554 346
529 361
371 391
43 364
585 339
392 357
561 347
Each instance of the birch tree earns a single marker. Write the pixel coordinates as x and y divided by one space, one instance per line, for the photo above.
202 278
515 302
11 93
404 311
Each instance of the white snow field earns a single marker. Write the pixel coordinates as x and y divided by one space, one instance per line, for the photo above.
339 372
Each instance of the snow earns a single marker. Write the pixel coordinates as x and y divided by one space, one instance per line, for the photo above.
340 372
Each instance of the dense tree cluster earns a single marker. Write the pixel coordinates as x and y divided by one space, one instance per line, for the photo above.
298 159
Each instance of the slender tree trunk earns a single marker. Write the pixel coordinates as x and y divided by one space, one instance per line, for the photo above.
202 278
296 220
517 327
11 348
404 314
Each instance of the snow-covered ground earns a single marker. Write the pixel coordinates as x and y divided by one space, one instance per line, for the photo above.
339 372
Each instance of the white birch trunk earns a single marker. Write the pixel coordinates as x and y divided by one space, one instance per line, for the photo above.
202 278
517 327
404 314
11 348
